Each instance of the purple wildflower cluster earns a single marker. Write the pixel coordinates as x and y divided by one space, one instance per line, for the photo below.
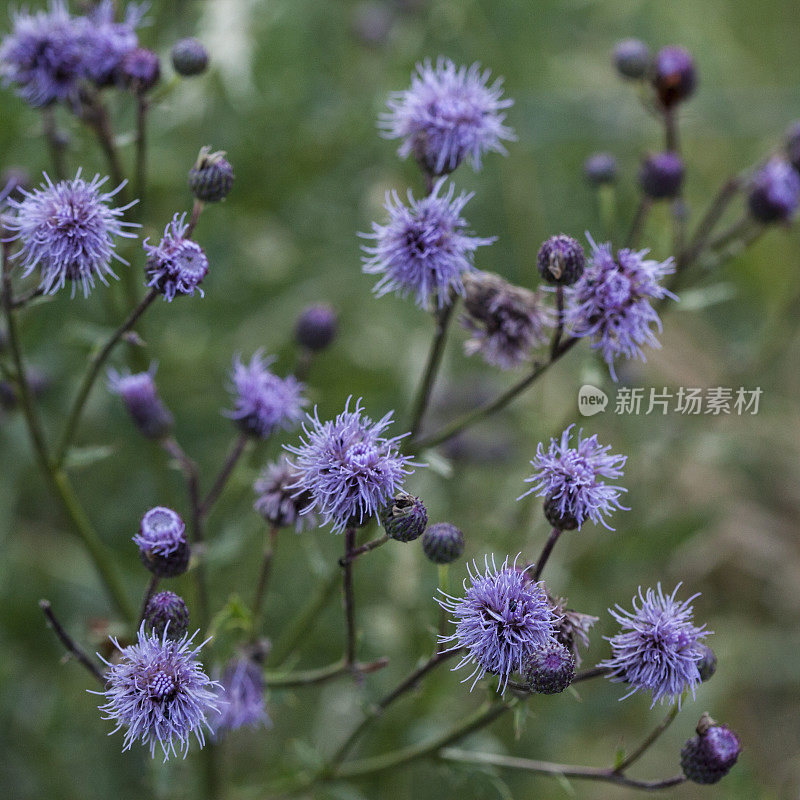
658 647
346 465
67 232
448 114
158 692
423 250
176 265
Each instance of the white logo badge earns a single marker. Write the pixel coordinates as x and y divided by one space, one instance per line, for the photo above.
591 400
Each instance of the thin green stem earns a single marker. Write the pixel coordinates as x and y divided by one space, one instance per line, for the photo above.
270 542
140 173
364 548
95 365
348 596
639 221
55 142
559 321
545 554
312 677
151 588
69 643
648 742
225 473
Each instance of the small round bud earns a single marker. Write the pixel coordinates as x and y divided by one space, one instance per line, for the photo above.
443 543
632 58
674 75
774 192
140 395
162 542
550 669
600 169
707 665
316 327
793 145
166 611
561 260
553 514
405 518
211 178
709 756
141 70
189 57
661 175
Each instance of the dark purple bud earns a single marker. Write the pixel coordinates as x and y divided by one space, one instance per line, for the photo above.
707 665
774 192
561 260
661 175
600 168
316 327
793 145
162 542
550 669
443 543
405 518
674 75
140 395
564 521
141 70
632 58
189 57
167 612
709 756
211 178
372 23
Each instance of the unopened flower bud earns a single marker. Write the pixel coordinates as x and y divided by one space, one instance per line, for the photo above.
707 665
189 57
561 260
211 178
167 612
632 58
140 395
661 175
550 669
557 517
141 70
443 543
316 327
600 169
774 192
405 518
709 756
162 542
674 75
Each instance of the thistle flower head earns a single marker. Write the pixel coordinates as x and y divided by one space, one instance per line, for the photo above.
140 395
449 113
276 499
423 250
189 57
241 698
162 542
500 621
263 402
166 615
657 648
570 478
611 302
67 232
106 42
774 192
43 56
348 467
506 322
443 543
158 692
177 265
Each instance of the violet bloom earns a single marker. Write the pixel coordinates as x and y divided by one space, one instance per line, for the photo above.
774 192
162 543
106 42
241 698
177 265
140 395
158 692
43 56
611 302
658 646
263 402
348 467
423 250
449 113
278 502
570 480
501 620
67 232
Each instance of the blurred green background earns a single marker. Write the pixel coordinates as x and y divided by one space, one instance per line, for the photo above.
293 96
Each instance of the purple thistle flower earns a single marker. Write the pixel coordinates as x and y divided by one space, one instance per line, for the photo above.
158 692
43 56
278 502
569 478
423 249
106 42
140 395
657 649
67 231
501 620
611 302
263 401
177 265
774 192
241 698
162 531
348 467
449 113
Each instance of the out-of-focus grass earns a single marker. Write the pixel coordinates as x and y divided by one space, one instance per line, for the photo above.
293 97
